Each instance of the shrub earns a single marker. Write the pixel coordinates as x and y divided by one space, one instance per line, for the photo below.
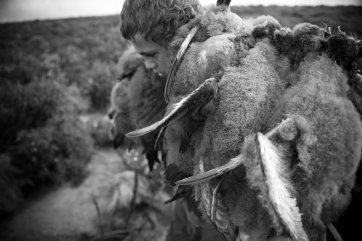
23 107
11 194
43 141
100 85
56 153
75 148
100 128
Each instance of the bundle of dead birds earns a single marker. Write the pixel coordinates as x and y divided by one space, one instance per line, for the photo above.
263 121
136 100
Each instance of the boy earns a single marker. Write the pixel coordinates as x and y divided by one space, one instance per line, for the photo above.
151 25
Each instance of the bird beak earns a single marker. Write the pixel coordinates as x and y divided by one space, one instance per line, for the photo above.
177 61
194 101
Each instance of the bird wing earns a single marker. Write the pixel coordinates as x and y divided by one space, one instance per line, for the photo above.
195 100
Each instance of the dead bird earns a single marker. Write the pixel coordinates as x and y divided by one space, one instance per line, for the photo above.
249 93
233 82
136 101
319 152
304 38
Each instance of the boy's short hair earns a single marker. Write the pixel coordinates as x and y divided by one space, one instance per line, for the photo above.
156 20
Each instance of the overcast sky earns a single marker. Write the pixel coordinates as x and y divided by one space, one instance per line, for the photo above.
20 10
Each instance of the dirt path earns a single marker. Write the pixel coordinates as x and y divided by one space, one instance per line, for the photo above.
69 210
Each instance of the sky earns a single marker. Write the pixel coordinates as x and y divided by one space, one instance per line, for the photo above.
21 10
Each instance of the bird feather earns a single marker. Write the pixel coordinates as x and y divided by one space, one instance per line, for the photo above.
196 99
280 189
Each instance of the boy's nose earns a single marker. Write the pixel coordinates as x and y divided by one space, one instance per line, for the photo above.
150 64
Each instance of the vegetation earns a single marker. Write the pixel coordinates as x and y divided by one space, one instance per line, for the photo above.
42 141
51 72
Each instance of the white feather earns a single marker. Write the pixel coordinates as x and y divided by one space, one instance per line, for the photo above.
280 189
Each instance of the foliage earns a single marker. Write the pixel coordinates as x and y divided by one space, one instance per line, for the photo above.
100 85
55 153
73 51
99 128
42 141
135 209
53 71
22 107
11 194
49 72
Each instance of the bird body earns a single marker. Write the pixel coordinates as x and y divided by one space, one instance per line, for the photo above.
136 101
247 90
247 94
329 148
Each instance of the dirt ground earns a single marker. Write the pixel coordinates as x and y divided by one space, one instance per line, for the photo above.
69 213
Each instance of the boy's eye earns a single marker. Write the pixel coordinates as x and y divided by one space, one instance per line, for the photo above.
149 54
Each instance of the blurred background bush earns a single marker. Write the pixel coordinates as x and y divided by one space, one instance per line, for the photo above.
53 75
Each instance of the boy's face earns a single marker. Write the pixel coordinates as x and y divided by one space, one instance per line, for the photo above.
155 56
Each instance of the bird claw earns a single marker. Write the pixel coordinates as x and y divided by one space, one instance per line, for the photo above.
339 30
327 29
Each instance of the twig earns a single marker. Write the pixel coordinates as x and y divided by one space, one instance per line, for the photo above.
133 201
99 215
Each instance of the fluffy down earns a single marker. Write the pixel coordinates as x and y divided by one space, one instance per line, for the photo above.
248 88
246 94
329 147
136 101
222 40
262 77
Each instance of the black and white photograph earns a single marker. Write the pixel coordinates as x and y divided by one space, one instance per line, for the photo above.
180 120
